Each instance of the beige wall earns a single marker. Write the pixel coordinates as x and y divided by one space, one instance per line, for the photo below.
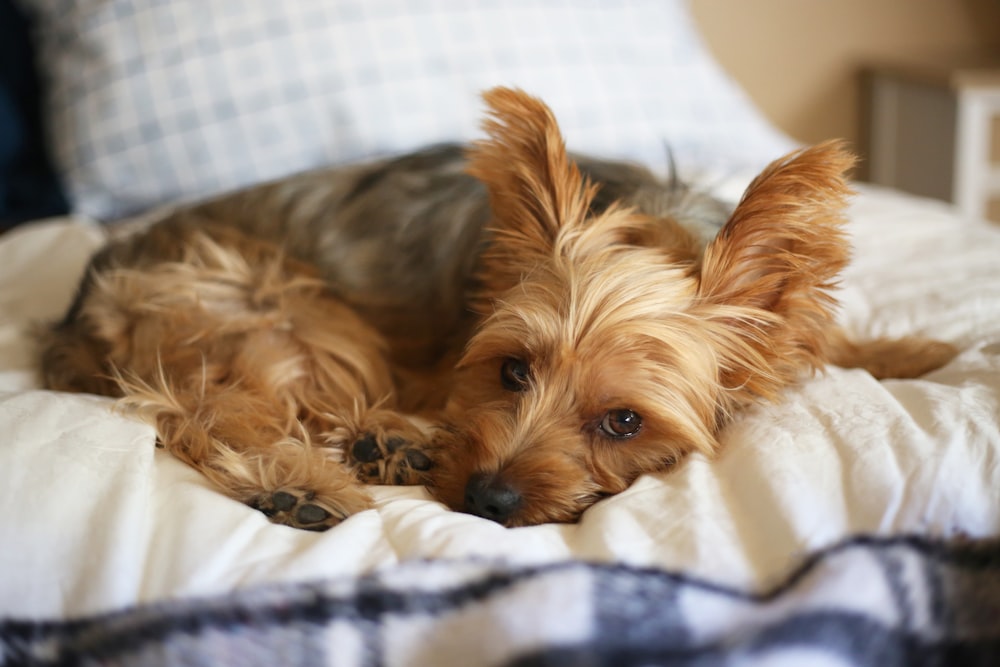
800 59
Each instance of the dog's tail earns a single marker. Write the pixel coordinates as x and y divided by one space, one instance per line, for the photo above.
906 357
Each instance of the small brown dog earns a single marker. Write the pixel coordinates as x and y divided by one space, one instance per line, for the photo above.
524 348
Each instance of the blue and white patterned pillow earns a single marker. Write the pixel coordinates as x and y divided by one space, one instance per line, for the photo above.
154 101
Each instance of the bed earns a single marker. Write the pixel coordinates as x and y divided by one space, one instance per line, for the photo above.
853 523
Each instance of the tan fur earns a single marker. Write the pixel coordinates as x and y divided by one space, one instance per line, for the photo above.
608 316
252 372
285 370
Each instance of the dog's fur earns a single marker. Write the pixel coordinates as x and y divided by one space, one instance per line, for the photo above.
523 332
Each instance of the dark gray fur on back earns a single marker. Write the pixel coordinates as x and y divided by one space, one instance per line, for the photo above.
399 238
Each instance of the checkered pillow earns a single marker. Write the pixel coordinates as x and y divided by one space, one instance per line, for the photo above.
152 101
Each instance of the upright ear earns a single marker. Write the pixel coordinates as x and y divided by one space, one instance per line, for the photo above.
535 190
769 272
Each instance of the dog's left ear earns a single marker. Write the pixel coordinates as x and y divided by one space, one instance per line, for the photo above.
535 190
768 274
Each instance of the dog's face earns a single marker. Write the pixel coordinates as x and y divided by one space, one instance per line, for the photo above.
610 345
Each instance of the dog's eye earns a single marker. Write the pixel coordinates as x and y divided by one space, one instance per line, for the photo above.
514 374
621 424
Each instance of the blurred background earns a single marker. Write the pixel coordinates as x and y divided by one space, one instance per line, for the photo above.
801 61
913 84
879 73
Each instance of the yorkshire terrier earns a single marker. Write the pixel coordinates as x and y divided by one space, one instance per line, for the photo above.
524 331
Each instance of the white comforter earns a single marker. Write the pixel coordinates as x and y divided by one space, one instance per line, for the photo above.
93 517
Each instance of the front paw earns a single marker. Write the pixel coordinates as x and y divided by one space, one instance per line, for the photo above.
303 509
389 459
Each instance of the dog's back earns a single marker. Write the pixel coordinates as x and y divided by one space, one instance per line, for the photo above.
396 239
399 239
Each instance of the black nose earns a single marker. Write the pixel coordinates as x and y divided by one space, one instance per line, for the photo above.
491 498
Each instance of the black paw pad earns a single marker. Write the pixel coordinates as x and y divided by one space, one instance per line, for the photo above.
283 501
311 514
418 460
366 450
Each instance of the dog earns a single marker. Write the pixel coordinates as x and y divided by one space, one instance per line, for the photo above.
522 330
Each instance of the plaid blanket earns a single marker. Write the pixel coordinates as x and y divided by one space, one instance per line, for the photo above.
867 601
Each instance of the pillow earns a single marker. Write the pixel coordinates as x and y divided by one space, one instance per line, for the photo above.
151 101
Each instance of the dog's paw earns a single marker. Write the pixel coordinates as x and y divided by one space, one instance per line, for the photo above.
388 460
301 509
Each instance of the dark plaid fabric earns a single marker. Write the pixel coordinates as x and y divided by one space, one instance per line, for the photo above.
867 601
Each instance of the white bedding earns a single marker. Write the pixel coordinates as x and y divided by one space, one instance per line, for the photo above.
93 517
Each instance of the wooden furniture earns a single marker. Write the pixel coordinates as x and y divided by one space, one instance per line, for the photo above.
936 132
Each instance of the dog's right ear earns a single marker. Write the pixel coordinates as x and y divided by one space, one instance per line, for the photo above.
536 192
767 278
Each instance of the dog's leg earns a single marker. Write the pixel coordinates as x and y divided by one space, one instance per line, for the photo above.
243 359
383 446
906 357
232 399
248 445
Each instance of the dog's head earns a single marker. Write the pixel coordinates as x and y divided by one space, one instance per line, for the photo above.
610 345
